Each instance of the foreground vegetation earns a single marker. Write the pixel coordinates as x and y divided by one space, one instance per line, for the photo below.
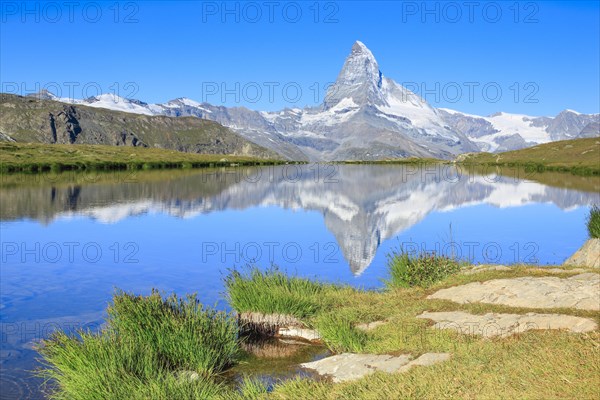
593 222
152 348
536 364
37 157
423 270
157 347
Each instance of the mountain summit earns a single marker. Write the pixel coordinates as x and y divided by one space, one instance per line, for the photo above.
360 80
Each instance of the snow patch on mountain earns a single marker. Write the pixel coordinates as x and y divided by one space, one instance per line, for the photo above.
113 102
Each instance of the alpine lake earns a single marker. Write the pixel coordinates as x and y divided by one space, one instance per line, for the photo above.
70 239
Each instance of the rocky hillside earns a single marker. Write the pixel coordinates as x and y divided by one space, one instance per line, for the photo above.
29 119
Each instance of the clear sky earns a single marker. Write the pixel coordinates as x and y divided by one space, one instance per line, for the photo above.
480 57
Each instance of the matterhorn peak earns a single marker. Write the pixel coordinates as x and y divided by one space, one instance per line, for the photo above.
359 79
360 48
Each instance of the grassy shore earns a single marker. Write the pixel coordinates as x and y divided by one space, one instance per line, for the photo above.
154 345
37 157
577 156
536 364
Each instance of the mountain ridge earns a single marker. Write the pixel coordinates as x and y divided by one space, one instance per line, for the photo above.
26 119
368 116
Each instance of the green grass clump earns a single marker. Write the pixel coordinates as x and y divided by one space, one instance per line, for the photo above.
421 270
182 331
593 222
106 366
148 350
339 335
273 292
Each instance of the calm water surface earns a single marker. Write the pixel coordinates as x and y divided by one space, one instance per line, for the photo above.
68 241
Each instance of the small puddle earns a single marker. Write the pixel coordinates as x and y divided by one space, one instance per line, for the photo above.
272 360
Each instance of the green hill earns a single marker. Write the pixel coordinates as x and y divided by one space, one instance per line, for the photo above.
32 120
580 156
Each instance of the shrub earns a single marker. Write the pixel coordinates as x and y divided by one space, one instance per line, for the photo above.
421 270
593 222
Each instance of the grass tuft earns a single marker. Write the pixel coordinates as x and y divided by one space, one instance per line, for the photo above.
339 335
273 292
106 366
184 332
148 350
421 270
593 222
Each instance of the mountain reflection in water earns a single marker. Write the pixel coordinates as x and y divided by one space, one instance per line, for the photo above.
361 205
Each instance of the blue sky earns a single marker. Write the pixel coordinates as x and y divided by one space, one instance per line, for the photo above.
535 58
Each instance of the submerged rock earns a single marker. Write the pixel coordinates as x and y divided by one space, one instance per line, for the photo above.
587 256
349 366
493 324
580 291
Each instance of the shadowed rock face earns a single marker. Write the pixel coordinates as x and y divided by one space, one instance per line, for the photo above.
361 205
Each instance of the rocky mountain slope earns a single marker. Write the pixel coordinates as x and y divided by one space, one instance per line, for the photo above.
28 119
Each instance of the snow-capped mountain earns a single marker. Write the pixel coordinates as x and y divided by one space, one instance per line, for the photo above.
366 116
503 131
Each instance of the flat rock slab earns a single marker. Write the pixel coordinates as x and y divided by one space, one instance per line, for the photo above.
349 366
580 291
587 256
492 324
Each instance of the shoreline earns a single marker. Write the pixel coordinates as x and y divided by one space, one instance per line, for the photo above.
15 157
394 326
